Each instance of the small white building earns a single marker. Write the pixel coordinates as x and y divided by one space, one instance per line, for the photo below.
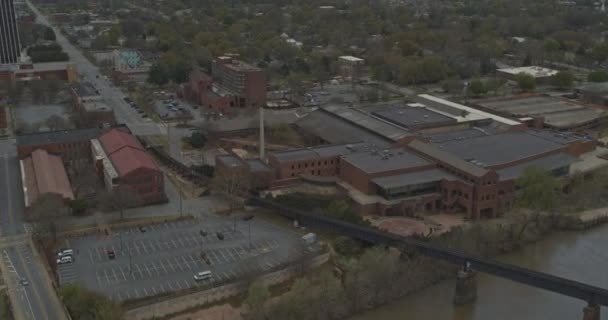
541 74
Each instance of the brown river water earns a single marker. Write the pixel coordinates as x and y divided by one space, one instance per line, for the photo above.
581 256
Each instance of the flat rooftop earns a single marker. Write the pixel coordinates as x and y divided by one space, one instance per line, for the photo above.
460 112
62 136
229 160
364 120
558 113
257 165
493 150
551 162
535 71
84 89
413 178
96 106
385 160
413 116
351 59
336 130
323 151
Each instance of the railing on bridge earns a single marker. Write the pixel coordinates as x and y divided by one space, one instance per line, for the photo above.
591 294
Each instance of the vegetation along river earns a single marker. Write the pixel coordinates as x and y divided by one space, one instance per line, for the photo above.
581 256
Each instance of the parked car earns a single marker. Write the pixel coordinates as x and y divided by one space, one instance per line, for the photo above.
65 259
200 276
111 254
64 252
220 235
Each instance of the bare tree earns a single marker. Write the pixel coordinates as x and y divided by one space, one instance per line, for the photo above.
43 213
232 183
37 90
119 198
53 87
83 176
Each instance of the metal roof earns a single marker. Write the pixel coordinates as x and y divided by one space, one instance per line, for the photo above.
385 160
336 130
364 120
413 178
323 151
499 149
413 117
460 112
450 159
549 163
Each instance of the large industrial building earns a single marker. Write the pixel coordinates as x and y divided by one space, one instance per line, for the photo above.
122 161
433 155
546 111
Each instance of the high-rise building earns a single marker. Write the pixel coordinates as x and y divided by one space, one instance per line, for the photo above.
9 35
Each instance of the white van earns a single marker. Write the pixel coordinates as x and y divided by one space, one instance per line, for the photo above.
202 275
65 259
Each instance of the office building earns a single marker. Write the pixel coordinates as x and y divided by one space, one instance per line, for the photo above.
9 35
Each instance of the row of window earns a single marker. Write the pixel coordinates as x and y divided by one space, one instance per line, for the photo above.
312 164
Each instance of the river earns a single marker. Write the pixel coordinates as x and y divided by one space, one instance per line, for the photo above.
581 256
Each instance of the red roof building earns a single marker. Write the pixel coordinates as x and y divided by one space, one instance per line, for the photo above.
42 174
130 166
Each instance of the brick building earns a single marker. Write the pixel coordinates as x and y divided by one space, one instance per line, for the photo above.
475 175
259 174
62 71
232 83
123 161
89 105
42 174
70 145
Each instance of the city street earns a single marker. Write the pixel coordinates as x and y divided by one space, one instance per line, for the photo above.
113 95
165 257
37 299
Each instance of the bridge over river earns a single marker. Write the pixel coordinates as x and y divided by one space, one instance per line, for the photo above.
465 288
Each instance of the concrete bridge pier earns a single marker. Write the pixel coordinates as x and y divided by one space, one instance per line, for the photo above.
591 312
466 287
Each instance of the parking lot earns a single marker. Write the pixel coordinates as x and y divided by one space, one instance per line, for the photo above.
169 109
165 257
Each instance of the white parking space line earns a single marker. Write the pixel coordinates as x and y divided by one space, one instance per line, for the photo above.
98 255
91 257
136 293
123 274
119 296
145 292
180 241
162 288
178 264
170 286
153 291
148 270
162 264
174 243
234 275
179 286
187 285
137 248
186 262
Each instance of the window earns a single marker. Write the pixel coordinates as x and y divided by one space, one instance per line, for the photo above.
325 162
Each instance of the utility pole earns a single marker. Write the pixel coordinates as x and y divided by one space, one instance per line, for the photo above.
262 133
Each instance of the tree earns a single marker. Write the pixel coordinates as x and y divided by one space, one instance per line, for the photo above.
158 74
600 52
538 189
43 213
477 87
84 304
197 139
49 34
231 182
563 79
257 296
119 198
598 76
525 82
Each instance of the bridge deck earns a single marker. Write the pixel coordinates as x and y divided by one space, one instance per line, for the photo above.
571 288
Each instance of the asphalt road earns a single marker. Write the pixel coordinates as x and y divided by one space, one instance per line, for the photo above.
113 95
165 257
37 300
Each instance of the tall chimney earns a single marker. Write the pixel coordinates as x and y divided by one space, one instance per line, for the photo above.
262 134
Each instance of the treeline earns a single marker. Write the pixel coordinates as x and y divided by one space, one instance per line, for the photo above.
47 53
375 278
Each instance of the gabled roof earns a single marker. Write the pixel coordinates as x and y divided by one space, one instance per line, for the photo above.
115 139
44 173
125 152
